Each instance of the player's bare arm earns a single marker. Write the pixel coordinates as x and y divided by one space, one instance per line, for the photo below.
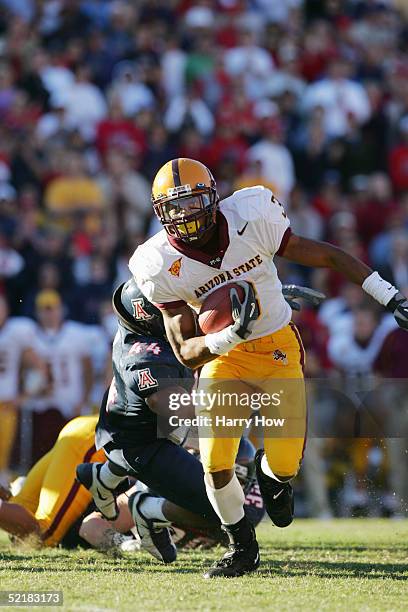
316 254
189 349
324 255
195 351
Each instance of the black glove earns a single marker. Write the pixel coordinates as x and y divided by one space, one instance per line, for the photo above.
398 305
244 313
292 292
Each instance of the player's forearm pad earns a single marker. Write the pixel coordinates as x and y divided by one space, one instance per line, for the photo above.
223 341
380 289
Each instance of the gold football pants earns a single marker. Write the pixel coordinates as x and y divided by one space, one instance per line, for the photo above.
50 491
261 380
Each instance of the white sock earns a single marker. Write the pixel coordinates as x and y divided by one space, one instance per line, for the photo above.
108 478
267 470
152 507
227 502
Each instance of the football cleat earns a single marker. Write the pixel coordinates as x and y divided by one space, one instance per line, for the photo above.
154 534
239 559
278 496
88 474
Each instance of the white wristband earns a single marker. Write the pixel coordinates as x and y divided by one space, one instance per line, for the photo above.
379 289
223 341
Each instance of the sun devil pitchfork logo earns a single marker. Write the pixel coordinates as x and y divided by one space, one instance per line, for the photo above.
145 379
175 268
280 356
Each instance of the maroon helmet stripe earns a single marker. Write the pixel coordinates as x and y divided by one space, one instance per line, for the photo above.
68 500
176 172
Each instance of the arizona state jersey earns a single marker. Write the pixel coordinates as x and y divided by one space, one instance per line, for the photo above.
63 351
16 335
252 227
141 366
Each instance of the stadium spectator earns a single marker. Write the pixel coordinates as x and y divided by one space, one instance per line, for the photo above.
74 192
392 365
17 358
65 393
276 160
398 159
343 100
127 191
354 352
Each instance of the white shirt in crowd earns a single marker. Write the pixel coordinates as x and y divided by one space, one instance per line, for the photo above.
277 165
339 99
180 108
254 63
85 106
63 351
16 335
351 357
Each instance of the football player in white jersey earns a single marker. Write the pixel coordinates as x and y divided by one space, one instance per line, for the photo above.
65 347
205 244
16 355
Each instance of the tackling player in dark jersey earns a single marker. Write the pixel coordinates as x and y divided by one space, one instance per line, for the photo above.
146 373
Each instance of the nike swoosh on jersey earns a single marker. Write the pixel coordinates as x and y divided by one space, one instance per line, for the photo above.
277 494
240 232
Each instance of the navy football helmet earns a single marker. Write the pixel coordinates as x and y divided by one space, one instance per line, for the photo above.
136 313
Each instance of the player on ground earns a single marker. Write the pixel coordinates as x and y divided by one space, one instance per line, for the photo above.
50 500
64 346
207 243
57 510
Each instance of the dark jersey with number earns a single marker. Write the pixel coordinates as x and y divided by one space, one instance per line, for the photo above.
141 366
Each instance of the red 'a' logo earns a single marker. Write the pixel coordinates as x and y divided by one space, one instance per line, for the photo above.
145 380
138 310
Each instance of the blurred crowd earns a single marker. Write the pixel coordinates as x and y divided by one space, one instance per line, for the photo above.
309 98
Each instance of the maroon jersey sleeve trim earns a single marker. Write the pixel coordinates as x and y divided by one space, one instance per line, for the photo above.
284 241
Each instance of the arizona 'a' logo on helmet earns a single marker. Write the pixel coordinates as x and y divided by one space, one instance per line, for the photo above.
136 313
185 199
139 312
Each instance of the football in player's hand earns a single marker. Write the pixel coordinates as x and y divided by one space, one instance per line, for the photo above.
216 310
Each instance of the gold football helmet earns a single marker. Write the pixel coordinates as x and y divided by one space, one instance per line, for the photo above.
185 199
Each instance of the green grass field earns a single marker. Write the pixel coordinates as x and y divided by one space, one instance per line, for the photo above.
312 565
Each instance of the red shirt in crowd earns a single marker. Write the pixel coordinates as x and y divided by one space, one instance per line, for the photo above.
398 167
120 134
